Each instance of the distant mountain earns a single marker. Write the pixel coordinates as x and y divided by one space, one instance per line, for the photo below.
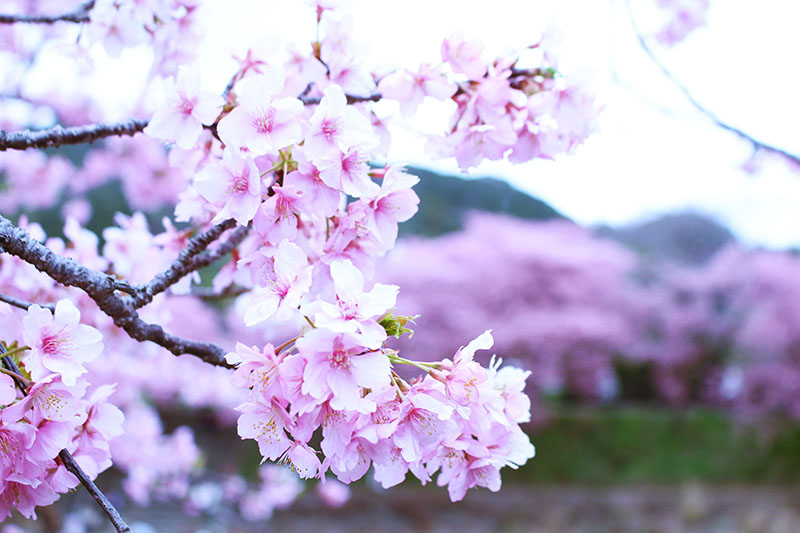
444 200
690 238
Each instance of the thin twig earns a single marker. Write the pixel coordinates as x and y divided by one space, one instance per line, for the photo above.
70 463
23 304
351 99
81 14
757 145
61 136
182 266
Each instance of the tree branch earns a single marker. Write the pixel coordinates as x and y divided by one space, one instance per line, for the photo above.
758 145
102 289
184 264
71 465
60 136
23 304
81 14
351 99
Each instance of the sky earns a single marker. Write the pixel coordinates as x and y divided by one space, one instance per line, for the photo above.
653 152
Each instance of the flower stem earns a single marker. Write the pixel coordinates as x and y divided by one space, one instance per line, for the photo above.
16 376
16 350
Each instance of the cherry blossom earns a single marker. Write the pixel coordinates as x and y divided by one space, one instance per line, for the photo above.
337 364
336 127
186 109
261 122
464 56
282 277
233 186
355 311
410 88
58 342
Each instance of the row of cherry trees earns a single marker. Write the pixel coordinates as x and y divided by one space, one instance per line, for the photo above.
593 321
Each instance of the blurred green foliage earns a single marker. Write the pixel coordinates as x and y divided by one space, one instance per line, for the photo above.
620 445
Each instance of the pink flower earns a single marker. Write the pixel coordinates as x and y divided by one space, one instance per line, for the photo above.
685 17
337 365
257 370
233 186
24 497
266 424
355 311
59 343
185 111
336 126
425 421
277 218
410 88
464 375
464 56
49 399
16 440
8 392
395 202
283 280
473 144
347 171
104 420
303 460
261 122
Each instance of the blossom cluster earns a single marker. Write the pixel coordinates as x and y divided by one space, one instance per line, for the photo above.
460 419
502 110
140 375
57 411
283 155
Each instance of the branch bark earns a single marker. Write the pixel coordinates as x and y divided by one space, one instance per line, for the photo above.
189 260
23 304
102 288
61 136
71 465
81 14
351 99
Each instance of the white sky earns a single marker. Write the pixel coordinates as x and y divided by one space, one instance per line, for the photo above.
643 161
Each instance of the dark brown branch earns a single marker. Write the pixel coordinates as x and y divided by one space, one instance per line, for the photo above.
60 136
757 145
71 465
192 258
81 14
102 288
180 267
